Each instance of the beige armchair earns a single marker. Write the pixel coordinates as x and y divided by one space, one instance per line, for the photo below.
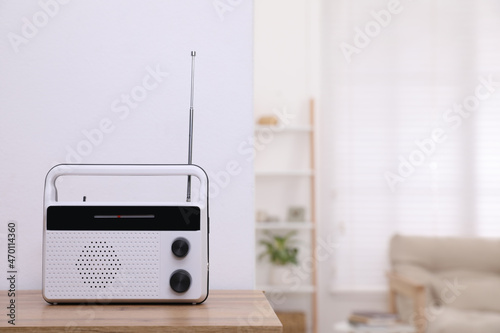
446 285
405 287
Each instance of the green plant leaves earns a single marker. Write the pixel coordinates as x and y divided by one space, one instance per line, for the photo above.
279 250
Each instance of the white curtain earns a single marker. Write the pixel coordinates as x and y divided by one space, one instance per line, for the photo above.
411 126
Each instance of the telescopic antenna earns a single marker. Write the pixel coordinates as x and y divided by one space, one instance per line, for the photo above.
191 112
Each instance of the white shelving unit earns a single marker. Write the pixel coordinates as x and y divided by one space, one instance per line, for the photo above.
288 176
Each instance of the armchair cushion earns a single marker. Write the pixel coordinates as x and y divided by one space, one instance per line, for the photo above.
468 290
446 253
450 320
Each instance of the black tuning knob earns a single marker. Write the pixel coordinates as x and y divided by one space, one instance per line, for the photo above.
180 247
180 281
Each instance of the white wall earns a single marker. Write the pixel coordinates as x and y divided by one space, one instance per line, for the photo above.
280 57
67 75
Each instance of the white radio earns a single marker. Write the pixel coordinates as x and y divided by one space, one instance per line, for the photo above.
116 252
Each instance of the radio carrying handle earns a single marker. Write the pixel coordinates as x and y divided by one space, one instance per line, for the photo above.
122 170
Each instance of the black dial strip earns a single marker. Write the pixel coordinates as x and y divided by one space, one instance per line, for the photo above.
150 218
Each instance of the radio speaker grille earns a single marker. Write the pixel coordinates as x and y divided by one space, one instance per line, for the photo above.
93 264
98 264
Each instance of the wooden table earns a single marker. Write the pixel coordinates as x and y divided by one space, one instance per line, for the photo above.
242 311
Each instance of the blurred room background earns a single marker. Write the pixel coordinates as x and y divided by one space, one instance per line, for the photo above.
405 139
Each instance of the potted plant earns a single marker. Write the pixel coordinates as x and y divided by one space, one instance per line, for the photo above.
282 255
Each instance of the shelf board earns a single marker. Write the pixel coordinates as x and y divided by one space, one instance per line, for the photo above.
279 129
293 173
284 225
286 289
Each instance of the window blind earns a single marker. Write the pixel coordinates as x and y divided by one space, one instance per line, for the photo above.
401 153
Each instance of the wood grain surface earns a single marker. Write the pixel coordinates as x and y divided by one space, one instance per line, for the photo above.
242 311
